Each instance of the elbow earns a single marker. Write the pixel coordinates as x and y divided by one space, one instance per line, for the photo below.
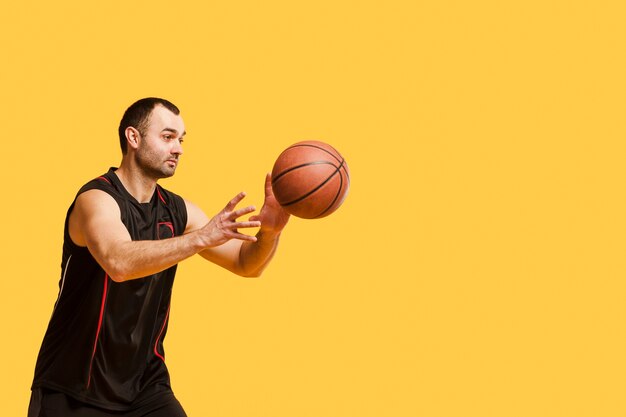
117 277
247 271
112 263
254 274
117 273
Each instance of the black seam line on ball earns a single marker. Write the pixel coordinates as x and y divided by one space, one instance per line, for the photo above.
322 149
300 166
334 199
318 147
316 188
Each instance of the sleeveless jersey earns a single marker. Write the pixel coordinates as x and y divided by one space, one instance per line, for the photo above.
104 342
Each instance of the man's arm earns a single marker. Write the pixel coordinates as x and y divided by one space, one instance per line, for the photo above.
244 257
95 223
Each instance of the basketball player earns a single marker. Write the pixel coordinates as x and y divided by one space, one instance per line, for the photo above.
102 354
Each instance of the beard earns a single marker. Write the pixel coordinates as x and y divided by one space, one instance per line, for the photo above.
154 166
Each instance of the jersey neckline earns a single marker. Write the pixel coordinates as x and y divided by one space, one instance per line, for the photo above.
120 186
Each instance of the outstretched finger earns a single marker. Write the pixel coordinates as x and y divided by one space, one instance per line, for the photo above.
243 225
232 203
268 184
240 212
242 236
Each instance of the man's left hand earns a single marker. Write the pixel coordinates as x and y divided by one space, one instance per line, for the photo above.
272 216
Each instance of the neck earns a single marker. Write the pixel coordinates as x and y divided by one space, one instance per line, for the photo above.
140 186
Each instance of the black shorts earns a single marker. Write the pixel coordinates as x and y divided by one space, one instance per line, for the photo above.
46 403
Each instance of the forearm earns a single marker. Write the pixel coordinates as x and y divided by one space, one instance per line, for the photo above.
136 259
255 256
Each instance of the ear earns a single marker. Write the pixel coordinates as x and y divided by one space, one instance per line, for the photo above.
132 137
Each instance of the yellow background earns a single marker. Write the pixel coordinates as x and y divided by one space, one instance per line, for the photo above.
477 266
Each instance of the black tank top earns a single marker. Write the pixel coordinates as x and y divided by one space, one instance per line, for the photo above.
104 342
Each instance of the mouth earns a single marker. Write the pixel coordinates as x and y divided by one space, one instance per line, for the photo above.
172 162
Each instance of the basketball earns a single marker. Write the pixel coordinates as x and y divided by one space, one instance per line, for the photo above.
310 179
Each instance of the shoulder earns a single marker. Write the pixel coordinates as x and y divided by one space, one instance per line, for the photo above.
94 200
92 208
98 191
105 185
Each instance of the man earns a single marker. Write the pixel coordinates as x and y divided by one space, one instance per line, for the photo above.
102 354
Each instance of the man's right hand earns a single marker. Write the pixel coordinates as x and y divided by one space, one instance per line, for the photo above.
224 225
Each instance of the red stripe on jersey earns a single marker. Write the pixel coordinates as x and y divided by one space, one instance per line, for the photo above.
95 343
104 179
160 196
156 352
169 225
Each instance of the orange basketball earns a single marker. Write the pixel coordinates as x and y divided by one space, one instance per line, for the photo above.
310 179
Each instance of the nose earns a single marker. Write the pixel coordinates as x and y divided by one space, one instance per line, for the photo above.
177 148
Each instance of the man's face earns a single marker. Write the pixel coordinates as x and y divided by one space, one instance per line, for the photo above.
160 146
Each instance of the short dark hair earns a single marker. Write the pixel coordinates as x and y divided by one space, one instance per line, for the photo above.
138 116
